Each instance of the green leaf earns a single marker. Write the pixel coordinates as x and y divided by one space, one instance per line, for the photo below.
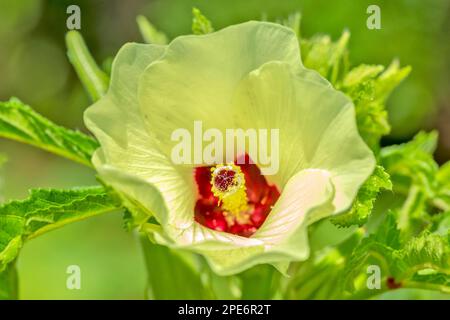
443 176
416 174
45 210
319 277
361 74
19 122
441 223
423 142
368 249
433 281
427 251
325 56
413 161
149 33
369 87
405 262
381 243
94 79
363 204
172 274
388 232
372 120
200 24
389 80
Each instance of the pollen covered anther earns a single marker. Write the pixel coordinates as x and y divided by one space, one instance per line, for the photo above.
228 185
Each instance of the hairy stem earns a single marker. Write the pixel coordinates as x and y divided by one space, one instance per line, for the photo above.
95 81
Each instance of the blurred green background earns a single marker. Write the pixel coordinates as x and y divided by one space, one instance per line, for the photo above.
34 67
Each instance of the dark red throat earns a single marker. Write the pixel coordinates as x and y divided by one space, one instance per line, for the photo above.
260 194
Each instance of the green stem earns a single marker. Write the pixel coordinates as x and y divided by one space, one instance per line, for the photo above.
95 81
425 286
339 52
9 283
414 197
404 190
149 32
259 282
172 274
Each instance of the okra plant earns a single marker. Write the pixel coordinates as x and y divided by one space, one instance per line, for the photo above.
296 217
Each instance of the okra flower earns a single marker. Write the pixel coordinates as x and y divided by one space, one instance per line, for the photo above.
247 76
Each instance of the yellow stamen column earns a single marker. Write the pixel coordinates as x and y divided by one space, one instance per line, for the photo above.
231 191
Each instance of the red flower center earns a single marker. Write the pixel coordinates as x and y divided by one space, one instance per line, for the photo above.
211 212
